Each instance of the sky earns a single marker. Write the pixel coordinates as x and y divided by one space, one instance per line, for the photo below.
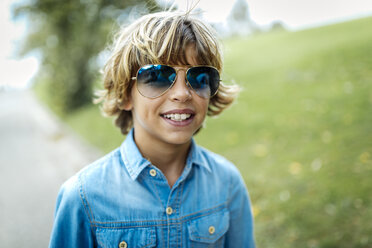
294 14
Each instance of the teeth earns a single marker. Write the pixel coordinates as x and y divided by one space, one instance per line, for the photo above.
177 117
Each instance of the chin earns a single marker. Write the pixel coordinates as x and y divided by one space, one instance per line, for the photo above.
179 139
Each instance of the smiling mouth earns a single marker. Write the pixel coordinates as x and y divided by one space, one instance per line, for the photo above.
177 117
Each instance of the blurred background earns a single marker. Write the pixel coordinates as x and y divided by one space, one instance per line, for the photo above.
300 131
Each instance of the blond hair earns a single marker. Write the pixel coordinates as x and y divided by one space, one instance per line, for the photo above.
158 38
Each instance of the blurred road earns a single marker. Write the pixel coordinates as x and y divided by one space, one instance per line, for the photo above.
37 154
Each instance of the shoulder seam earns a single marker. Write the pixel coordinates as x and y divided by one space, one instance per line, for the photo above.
84 200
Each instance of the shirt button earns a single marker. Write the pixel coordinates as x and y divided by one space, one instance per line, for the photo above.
153 172
123 244
169 210
211 229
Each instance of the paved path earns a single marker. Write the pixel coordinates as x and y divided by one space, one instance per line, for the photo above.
37 154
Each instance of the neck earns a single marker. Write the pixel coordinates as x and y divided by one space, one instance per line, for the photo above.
169 158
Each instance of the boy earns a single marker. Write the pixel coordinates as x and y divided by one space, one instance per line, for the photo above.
159 189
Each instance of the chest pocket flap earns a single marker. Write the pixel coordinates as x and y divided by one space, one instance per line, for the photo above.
126 237
210 228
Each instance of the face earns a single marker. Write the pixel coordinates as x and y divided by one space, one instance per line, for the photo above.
173 117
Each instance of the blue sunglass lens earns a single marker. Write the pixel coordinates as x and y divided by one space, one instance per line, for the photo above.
154 80
204 80
156 75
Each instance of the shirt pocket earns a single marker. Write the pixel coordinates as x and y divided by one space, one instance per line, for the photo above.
126 238
209 231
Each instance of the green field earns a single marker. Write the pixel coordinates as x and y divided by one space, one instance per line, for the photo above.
300 133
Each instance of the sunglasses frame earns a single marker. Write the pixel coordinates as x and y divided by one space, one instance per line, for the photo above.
187 81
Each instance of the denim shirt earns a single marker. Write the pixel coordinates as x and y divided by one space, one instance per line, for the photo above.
122 200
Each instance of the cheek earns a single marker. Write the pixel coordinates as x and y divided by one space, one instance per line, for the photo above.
203 105
145 108
206 103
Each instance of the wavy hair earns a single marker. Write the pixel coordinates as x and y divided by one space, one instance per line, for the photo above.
158 38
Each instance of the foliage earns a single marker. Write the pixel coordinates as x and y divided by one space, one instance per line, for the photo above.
69 36
239 20
240 11
300 133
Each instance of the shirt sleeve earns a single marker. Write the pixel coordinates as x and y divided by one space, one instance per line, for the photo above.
240 233
71 226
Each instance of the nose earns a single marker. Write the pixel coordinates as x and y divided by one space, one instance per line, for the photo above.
180 90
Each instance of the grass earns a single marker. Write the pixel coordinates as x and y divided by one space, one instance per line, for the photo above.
300 133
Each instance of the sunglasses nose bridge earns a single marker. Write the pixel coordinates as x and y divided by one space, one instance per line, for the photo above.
180 90
185 77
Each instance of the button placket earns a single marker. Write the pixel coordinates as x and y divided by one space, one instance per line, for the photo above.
172 212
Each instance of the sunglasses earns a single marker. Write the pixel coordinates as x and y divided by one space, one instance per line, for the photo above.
154 80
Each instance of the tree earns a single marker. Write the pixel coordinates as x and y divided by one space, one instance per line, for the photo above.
69 35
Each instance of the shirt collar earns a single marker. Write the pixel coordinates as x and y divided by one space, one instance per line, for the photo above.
135 163
196 156
132 157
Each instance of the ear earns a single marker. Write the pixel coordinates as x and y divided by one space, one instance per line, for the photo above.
126 105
